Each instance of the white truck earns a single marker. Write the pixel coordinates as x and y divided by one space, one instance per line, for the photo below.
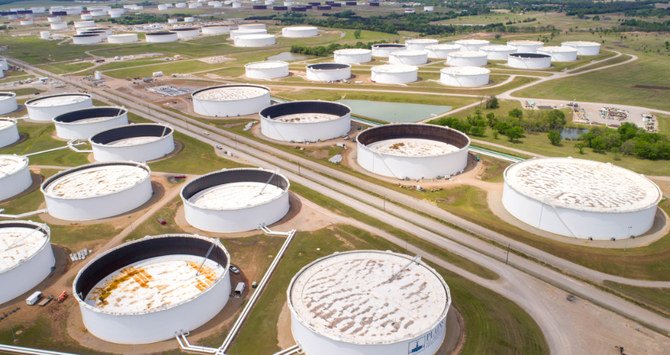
34 298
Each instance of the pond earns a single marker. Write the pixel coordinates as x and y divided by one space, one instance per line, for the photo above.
396 112
287 57
572 133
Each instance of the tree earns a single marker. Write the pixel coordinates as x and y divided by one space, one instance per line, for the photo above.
357 34
491 119
580 146
555 138
516 113
492 103
514 133
556 120
478 131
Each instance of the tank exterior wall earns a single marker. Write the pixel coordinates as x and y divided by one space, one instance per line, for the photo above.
87 39
575 223
467 61
526 48
188 34
529 63
266 73
464 81
328 75
346 58
561 56
305 132
215 30
58 26
303 32
26 275
8 104
46 114
394 78
3 64
14 184
172 37
86 130
419 46
9 135
587 50
439 53
239 220
313 343
120 39
253 41
231 108
499 54
138 153
408 60
160 325
384 52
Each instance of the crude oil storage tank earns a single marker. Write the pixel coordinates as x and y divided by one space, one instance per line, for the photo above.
266 70
409 57
352 55
57 26
184 33
498 51
394 74
9 132
252 26
386 304
328 72
419 44
122 38
472 44
248 31
525 46
383 50
26 257
230 100
465 77
299 32
529 60
84 123
305 121
135 142
215 30
14 175
236 200
580 198
7 102
412 151
255 40
98 190
440 51
161 37
150 289
467 59
45 108
583 47
86 38
560 53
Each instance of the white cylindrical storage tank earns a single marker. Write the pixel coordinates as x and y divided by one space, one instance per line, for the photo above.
525 46
151 289
180 5
26 257
135 142
162 7
172 21
86 17
9 132
14 175
189 19
352 55
465 77
305 121
299 32
45 108
161 37
583 47
86 39
236 5
122 38
84 123
230 100
498 51
467 59
394 74
215 30
252 41
45 35
472 44
368 302
97 191
266 70
194 5
440 51
529 60
248 31
252 26
7 102
560 54
408 57
419 44
328 72
98 31
412 151
383 50
26 23
580 198
236 200
57 26
84 24
185 33
116 13
54 19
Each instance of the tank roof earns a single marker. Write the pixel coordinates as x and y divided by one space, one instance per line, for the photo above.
95 180
268 64
394 68
581 44
557 49
9 164
236 195
352 51
230 92
498 47
467 54
409 53
19 241
58 100
525 42
5 122
328 66
472 41
465 70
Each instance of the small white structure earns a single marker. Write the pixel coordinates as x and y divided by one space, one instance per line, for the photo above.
84 24
26 258
383 50
328 72
409 57
161 37
560 53
14 175
305 121
472 45
116 13
236 200
412 151
7 102
26 22
97 191
525 46
136 142
215 30
529 60
54 19
580 198
84 123
45 35
89 38
247 31
151 289
230 100
9 132
467 59
441 51
122 38
255 40
252 26
45 108
498 51
394 74
465 77
352 56
189 19
299 32
186 33
57 26
266 70
583 47
419 44
387 303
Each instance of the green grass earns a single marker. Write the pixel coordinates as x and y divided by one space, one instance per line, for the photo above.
27 91
63 68
452 101
39 138
656 298
40 335
168 68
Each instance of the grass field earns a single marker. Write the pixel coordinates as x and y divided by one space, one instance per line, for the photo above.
39 138
656 298
63 68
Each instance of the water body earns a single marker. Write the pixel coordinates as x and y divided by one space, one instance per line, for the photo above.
572 133
396 112
287 57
